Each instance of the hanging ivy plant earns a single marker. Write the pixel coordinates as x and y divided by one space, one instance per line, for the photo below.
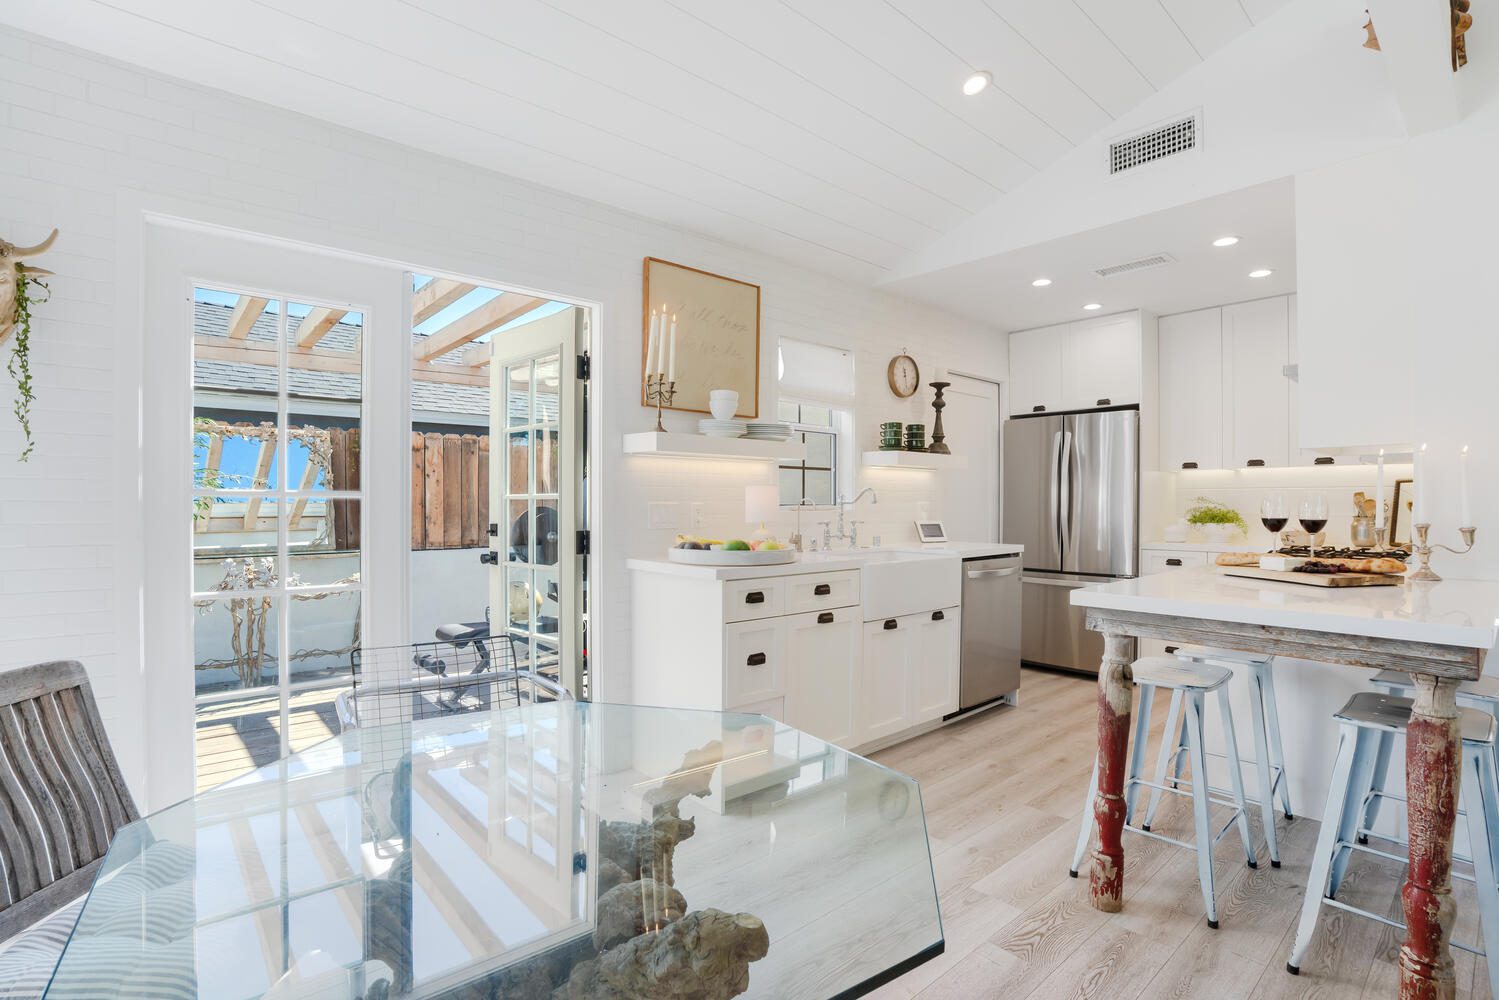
19 366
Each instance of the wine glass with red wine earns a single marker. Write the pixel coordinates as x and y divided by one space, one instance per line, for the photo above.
1275 515
1313 517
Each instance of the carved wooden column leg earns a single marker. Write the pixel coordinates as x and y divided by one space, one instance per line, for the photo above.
1116 691
1433 755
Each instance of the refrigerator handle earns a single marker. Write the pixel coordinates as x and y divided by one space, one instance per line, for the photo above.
1066 481
1056 458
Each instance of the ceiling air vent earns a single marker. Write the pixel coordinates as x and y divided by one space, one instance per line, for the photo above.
1174 137
1140 264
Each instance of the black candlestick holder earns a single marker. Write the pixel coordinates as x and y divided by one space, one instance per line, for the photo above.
937 447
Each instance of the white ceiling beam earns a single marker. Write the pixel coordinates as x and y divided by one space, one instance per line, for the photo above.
435 296
315 325
469 327
246 311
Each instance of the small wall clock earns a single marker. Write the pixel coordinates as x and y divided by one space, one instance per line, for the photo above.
904 376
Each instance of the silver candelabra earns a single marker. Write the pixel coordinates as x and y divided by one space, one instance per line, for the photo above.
661 392
1423 550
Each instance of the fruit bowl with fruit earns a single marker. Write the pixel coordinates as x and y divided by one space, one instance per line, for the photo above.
730 551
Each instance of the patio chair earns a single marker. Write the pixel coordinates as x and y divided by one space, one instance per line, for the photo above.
61 801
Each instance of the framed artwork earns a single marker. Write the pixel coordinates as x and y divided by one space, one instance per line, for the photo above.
1400 512
717 342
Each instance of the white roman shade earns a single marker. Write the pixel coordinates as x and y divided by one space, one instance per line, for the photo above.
816 373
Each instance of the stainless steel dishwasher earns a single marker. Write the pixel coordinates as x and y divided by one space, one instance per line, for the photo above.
989 666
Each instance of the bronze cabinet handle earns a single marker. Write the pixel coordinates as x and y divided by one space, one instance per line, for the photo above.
755 597
1173 562
891 624
938 616
756 659
822 589
826 618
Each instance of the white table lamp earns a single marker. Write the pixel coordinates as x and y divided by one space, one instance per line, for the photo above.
761 503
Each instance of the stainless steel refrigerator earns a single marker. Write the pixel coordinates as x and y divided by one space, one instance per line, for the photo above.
1072 498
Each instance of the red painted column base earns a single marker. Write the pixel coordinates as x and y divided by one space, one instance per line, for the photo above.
1433 767
1115 699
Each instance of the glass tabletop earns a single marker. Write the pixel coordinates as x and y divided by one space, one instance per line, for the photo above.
561 849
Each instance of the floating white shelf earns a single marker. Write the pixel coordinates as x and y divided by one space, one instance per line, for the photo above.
913 460
702 446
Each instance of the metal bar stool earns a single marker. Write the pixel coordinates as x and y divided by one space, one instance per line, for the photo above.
1269 757
1190 684
1482 694
1367 719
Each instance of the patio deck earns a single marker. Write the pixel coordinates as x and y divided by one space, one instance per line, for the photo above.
239 736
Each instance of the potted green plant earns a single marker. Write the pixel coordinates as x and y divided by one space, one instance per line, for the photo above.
1217 521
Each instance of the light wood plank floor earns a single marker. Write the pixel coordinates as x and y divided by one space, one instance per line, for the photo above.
1003 794
235 737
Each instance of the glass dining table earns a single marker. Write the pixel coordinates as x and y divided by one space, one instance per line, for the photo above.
554 850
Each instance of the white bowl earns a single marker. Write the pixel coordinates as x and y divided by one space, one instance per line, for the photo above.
724 403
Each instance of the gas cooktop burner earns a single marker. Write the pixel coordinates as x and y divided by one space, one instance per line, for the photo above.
1323 553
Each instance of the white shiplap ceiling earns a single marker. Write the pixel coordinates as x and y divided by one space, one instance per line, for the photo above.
831 132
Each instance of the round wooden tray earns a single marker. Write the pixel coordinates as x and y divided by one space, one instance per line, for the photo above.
718 557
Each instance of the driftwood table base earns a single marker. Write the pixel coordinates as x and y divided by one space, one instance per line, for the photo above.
1433 762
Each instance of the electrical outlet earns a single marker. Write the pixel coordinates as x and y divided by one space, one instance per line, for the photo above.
661 515
697 516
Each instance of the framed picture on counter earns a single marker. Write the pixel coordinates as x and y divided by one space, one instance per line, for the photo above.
1400 512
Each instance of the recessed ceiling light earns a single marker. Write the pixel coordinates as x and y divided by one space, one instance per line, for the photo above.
1263 272
977 82
1041 282
1225 241
1093 305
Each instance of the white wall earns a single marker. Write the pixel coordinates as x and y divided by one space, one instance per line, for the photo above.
82 138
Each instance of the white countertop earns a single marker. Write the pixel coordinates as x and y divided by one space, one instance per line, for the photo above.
1239 545
975 550
1450 613
810 562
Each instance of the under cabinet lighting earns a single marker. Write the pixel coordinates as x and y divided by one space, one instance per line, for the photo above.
1263 272
1225 241
976 83
1093 305
1040 282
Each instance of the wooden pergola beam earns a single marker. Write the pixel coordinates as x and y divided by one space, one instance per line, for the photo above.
260 480
469 327
478 355
246 311
435 296
315 325
322 359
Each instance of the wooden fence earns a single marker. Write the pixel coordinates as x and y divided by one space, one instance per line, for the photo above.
449 490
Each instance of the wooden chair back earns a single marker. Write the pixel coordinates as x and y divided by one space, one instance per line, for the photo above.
61 794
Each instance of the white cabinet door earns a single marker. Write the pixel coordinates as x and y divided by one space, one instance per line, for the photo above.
1255 352
1036 369
1102 362
884 688
934 667
1293 444
754 660
1191 389
822 663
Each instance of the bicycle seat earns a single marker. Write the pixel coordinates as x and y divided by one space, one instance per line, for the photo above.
463 633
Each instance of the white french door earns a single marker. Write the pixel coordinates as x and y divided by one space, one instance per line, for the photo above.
263 465
537 579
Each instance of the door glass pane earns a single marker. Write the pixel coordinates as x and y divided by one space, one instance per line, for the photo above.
235 385
323 634
519 530
232 450
234 542
545 405
322 541
236 735
518 601
235 643
518 397
518 460
544 545
547 444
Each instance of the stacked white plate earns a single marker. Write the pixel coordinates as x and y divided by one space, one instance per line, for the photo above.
767 431
721 428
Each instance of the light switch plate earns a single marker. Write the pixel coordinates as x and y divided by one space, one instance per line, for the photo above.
661 515
697 516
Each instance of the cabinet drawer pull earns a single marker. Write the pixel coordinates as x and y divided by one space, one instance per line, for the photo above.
1106 401
755 597
1255 463
890 624
1173 562
1324 460
1038 408
1172 649
1189 465
938 616
826 618
822 589
756 659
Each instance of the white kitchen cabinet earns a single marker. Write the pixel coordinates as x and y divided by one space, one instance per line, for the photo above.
1191 389
884 689
1075 366
934 672
1299 455
1101 363
1036 369
822 668
1164 560
1256 349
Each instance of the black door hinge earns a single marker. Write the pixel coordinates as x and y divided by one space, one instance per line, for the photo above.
494 530
580 863
583 541
585 367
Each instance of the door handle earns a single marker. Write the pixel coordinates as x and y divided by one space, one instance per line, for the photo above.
756 659
980 574
1056 458
489 558
755 597
891 624
1066 478
938 616
826 618
822 589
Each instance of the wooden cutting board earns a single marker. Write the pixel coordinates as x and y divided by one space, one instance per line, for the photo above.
1315 579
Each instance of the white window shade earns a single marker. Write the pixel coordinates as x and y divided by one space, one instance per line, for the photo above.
814 372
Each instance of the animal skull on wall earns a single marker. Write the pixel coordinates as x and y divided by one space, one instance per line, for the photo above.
11 264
